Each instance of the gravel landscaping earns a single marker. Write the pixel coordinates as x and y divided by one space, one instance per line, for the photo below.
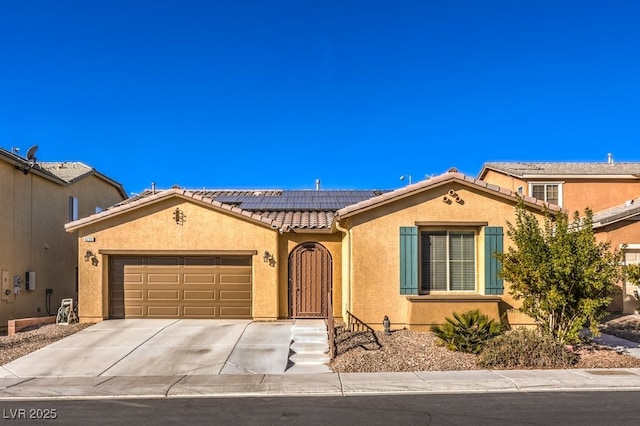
24 342
405 350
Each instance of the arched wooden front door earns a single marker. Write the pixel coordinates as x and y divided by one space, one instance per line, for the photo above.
309 280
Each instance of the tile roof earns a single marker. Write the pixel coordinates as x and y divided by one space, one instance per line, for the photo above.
522 169
66 170
282 209
299 209
628 210
436 181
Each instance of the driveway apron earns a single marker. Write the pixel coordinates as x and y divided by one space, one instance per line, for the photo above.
161 347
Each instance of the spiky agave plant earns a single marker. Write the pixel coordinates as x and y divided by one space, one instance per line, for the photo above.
467 332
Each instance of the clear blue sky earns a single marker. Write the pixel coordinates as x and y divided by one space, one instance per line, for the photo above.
274 94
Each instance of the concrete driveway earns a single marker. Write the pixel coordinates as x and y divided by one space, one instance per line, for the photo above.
161 347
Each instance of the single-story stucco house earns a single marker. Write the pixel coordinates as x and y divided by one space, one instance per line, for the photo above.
415 254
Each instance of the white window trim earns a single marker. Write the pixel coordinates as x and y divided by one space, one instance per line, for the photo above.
560 184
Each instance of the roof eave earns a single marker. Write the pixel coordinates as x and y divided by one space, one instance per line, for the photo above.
163 195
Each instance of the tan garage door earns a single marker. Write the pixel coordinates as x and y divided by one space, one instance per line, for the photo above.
180 287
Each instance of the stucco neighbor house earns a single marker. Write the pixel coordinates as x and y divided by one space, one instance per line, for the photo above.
36 253
416 254
610 189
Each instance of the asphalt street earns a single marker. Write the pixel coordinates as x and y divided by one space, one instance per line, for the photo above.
538 408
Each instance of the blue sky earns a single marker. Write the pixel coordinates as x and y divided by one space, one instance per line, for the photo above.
276 94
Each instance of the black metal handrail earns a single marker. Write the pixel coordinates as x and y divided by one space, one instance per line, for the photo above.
356 324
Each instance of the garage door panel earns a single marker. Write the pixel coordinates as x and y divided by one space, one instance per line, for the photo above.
199 311
196 295
199 261
153 295
234 312
163 261
235 261
226 296
133 294
199 278
163 311
133 311
181 287
133 278
169 278
235 279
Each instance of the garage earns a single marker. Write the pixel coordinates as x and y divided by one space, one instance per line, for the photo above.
180 287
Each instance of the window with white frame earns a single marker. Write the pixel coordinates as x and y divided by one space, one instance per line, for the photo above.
549 192
448 260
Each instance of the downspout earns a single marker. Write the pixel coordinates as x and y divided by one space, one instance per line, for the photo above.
347 233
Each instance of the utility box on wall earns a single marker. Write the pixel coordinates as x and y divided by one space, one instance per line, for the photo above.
30 280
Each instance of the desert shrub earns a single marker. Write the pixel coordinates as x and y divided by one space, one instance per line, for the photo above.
467 332
525 348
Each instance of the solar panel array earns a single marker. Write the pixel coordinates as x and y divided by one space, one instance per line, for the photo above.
293 199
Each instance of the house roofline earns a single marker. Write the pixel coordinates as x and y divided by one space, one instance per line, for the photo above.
435 182
166 194
20 162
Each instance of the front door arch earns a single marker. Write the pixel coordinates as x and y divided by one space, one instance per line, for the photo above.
310 280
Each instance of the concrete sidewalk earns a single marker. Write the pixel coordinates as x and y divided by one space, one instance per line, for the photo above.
326 384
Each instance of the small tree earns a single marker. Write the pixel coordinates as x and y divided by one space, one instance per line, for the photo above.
563 276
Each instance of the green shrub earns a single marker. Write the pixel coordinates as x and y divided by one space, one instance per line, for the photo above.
468 332
525 348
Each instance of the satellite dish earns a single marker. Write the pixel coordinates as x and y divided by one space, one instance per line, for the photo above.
31 153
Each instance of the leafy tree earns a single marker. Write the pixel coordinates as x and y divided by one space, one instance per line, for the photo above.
563 276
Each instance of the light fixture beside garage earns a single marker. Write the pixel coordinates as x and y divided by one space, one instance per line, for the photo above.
268 258
89 255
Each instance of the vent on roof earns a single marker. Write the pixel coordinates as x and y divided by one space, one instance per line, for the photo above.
610 158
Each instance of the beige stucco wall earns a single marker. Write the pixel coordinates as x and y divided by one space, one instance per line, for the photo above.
34 211
375 267
151 228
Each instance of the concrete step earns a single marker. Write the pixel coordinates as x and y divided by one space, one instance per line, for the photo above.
309 359
310 347
309 337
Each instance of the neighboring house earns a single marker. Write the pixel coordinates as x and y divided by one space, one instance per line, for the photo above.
573 186
416 254
37 200
621 226
609 189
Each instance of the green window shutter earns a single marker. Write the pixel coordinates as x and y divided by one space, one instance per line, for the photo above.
493 237
408 260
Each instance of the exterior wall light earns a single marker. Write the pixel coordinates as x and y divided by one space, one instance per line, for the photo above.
268 258
89 255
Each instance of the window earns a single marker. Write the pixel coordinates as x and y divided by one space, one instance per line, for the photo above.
448 261
73 208
549 192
